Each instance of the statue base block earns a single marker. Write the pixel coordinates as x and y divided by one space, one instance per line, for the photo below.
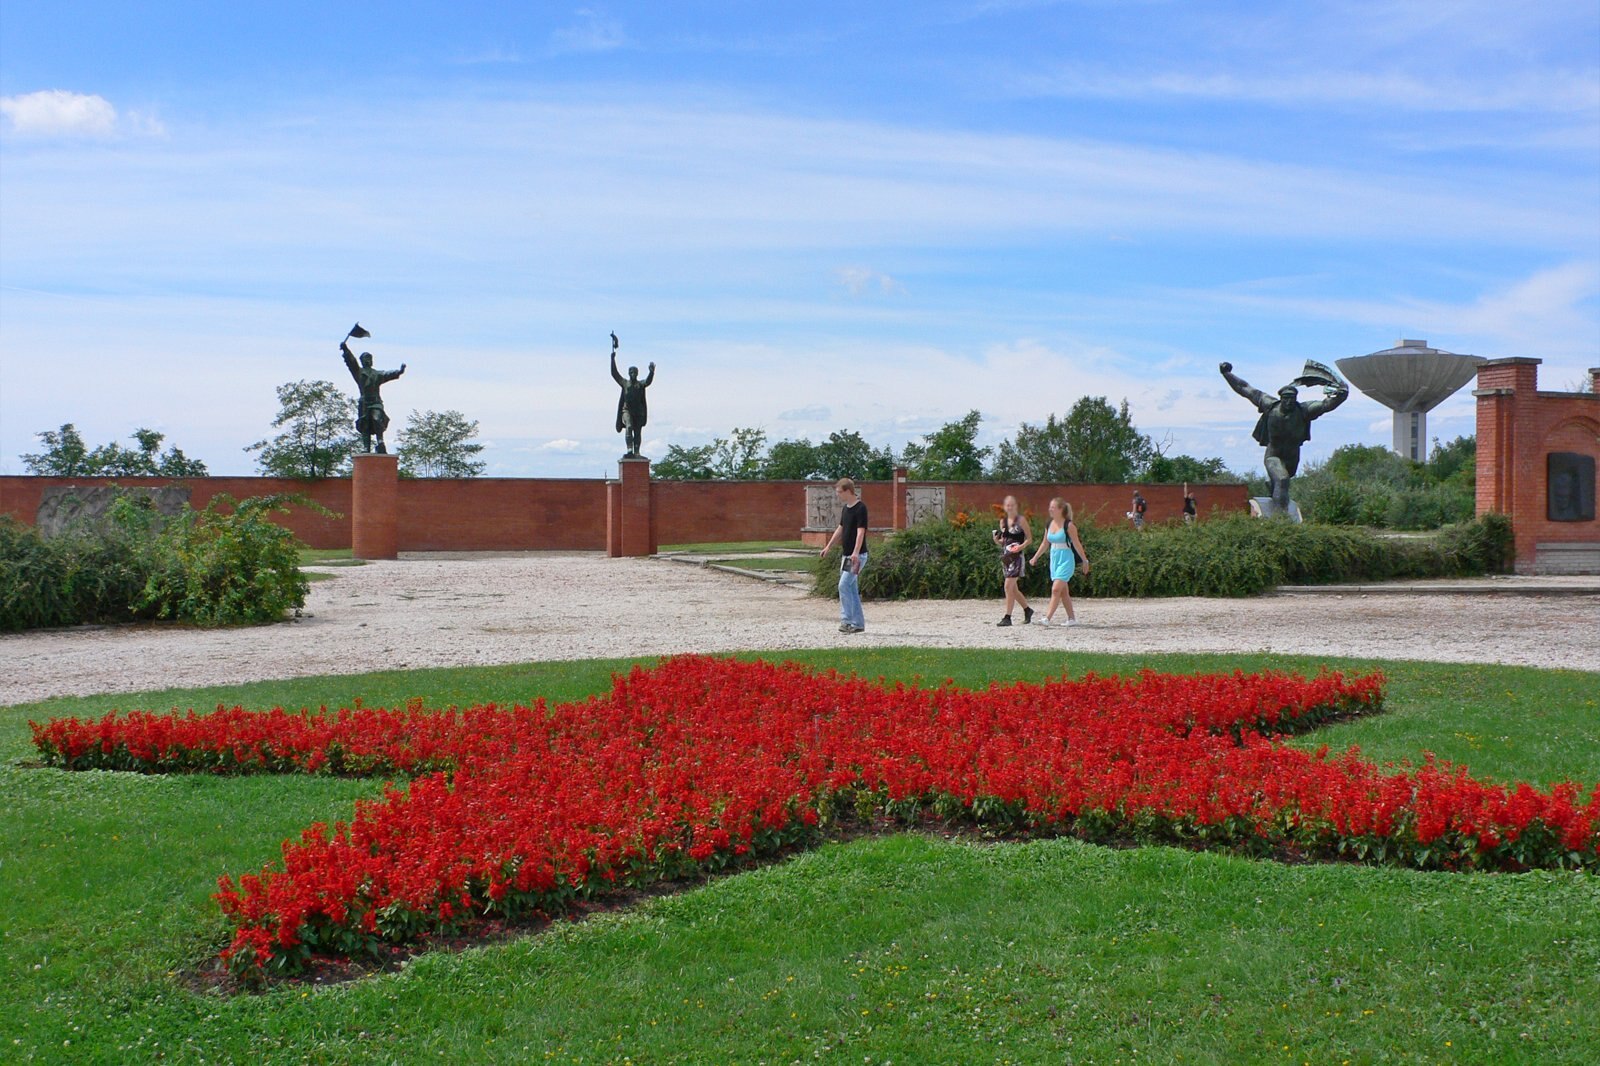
1264 507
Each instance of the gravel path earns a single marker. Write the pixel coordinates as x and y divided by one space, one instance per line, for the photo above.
457 610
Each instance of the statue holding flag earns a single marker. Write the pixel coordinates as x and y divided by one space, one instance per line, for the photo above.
1285 422
371 420
632 412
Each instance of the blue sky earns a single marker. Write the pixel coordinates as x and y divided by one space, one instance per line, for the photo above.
810 217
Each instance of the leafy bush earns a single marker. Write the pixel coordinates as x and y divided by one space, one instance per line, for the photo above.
1368 485
92 574
1230 556
227 567
213 567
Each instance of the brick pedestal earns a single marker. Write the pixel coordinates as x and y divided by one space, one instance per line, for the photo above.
375 507
630 516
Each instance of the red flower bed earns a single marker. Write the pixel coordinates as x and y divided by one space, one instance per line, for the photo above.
698 763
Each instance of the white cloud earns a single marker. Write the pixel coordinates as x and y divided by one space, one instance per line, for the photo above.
59 113
561 444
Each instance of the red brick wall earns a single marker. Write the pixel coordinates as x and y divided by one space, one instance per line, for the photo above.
692 512
502 514
20 496
1518 426
522 514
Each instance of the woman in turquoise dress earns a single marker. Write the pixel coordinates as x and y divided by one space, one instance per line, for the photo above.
1061 540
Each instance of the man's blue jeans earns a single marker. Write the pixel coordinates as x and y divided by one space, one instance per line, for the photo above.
850 594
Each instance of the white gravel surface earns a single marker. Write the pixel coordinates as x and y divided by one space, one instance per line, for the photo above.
457 610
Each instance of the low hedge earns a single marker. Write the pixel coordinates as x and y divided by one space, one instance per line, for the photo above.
1229 556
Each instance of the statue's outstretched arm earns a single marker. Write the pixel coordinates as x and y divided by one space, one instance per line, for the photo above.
648 378
1337 394
1243 387
615 374
350 361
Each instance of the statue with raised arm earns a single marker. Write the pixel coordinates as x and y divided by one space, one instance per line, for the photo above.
1285 422
371 420
632 411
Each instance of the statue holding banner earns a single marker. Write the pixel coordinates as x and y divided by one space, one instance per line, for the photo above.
1285 422
371 420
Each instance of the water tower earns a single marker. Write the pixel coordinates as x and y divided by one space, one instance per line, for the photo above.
1411 379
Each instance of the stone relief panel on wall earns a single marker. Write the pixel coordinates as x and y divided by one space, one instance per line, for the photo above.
822 507
924 503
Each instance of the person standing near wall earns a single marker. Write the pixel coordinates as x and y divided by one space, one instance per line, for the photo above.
851 534
1189 508
1061 540
1139 508
1013 537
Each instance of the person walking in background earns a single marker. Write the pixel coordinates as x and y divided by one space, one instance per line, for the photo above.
851 533
1189 509
1013 537
1139 508
1061 540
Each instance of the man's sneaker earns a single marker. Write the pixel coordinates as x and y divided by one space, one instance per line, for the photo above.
848 628
1027 615
845 627
1004 621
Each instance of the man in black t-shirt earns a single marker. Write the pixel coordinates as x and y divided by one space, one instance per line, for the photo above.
851 534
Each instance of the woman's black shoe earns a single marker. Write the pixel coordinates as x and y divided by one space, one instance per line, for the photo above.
1004 621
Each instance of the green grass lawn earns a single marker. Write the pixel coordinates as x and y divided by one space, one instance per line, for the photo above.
329 557
907 948
797 563
718 547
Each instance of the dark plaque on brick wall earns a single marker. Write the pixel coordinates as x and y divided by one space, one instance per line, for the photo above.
1571 481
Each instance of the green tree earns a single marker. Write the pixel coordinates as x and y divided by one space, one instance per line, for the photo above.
1094 443
64 454
684 464
739 456
949 453
846 453
439 444
1171 469
318 435
1456 460
793 460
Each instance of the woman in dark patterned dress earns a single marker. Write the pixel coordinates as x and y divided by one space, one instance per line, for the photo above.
1013 538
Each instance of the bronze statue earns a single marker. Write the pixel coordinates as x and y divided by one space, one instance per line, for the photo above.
632 412
371 420
1285 422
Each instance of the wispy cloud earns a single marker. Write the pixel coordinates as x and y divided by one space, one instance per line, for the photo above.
1562 92
591 31
859 281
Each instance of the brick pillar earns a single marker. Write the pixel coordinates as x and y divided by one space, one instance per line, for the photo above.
375 507
614 519
630 518
897 493
1508 452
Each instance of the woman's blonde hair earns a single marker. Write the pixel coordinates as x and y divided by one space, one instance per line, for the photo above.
1066 508
846 484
